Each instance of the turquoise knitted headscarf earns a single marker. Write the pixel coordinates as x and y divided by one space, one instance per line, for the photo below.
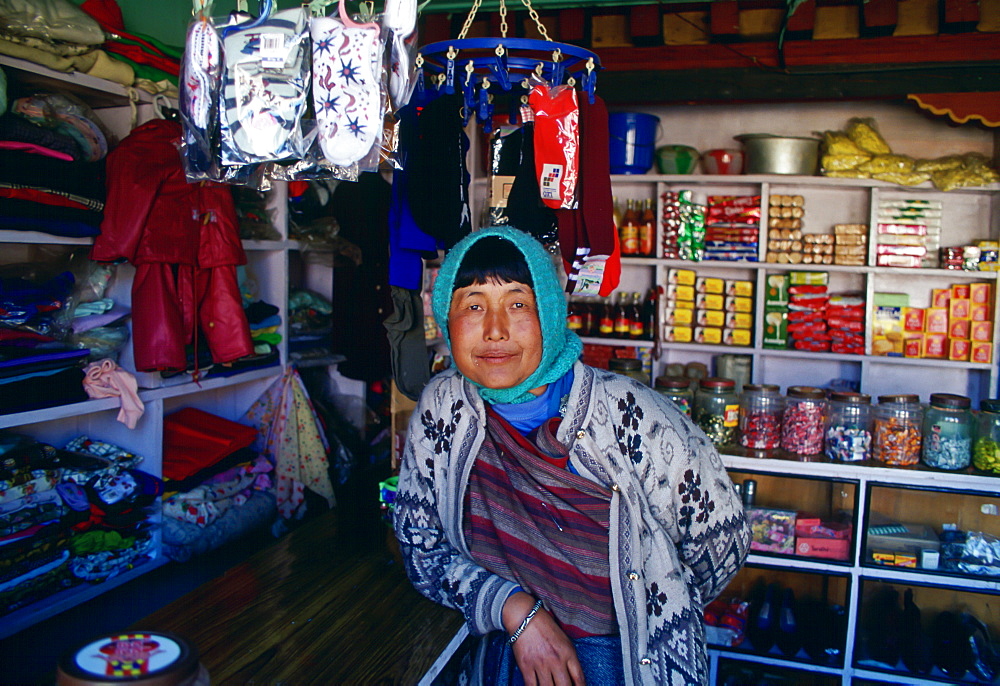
560 346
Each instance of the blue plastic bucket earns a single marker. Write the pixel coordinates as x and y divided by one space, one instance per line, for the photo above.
633 141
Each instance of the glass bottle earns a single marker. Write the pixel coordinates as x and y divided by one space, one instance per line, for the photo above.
848 427
628 234
623 325
629 366
803 421
635 321
716 409
761 406
647 229
606 323
588 316
986 450
574 315
677 389
649 314
947 439
897 427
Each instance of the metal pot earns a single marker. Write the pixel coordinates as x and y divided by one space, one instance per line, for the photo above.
768 154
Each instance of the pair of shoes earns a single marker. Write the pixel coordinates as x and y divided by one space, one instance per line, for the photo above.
984 661
823 629
773 621
883 626
951 651
916 645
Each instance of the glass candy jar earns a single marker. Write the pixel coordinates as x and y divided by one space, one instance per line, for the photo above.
803 421
678 390
629 366
986 450
716 409
761 406
848 427
947 439
897 427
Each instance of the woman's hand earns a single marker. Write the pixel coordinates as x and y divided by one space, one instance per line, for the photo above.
544 653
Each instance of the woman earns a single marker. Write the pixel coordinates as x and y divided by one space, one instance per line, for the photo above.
572 511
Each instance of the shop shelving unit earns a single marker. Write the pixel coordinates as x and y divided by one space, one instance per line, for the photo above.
228 396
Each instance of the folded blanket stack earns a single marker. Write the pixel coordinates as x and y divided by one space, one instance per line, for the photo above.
217 487
69 516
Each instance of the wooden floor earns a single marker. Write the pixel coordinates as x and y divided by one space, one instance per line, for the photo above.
321 606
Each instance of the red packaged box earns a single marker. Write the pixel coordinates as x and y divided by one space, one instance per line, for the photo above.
827 548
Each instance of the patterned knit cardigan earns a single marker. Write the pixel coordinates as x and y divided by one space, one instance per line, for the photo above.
678 532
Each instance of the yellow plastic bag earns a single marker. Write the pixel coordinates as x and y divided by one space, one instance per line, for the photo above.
881 164
842 162
866 136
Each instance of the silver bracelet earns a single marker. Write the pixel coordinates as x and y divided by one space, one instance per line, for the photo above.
520 629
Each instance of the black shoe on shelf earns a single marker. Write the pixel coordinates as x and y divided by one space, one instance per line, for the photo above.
916 645
983 659
952 654
763 624
884 626
788 638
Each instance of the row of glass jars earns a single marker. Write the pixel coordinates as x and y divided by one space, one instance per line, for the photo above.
843 425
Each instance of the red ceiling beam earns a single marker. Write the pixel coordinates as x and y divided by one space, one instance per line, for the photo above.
979 47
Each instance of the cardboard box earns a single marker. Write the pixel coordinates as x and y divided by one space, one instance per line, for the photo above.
808 278
710 318
777 290
776 328
735 303
709 301
902 538
683 277
913 345
936 320
959 308
677 334
940 297
826 548
960 291
979 313
981 294
773 531
959 349
913 319
744 289
960 328
935 346
678 315
705 284
736 336
679 292
981 353
739 320
708 334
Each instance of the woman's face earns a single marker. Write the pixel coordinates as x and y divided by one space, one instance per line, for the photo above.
496 337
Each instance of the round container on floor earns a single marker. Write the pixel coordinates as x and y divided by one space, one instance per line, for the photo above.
141 658
632 140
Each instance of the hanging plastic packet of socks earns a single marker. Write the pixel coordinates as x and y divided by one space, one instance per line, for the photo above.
200 83
264 88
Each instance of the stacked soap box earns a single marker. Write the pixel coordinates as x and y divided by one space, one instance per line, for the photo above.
909 233
707 309
957 325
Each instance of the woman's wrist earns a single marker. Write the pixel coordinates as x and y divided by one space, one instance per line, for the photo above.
524 623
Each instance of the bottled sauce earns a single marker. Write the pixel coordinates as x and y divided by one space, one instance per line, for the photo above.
588 317
716 409
628 232
848 427
986 450
677 389
761 406
647 229
623 324
606 323
637 329
574 316
649 314
803 421
947 439
897 426
629 366
617 215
